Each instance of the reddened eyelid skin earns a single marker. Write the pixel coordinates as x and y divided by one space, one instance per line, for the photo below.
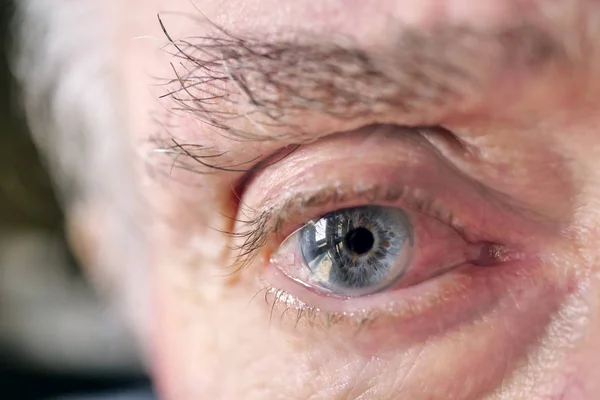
400 316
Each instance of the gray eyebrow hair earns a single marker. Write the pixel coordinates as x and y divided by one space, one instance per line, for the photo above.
223 78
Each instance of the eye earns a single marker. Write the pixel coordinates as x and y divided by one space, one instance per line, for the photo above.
355 251
408 238
361 251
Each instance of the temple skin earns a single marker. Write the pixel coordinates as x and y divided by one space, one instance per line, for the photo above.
518 168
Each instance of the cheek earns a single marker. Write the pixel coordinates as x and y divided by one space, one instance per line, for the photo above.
581 325
210 340
184 332
463 360
166 345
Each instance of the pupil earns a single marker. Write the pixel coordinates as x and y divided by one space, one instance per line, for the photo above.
359 240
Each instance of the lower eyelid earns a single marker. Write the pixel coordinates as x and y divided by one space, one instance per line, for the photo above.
409 314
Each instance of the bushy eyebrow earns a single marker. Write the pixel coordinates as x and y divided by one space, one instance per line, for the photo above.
223 78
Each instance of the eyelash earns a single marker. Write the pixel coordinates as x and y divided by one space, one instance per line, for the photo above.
258 230
277 298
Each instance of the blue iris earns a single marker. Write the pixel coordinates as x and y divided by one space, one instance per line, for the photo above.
357 251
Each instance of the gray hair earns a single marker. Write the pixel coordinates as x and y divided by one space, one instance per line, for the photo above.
63 66
64 63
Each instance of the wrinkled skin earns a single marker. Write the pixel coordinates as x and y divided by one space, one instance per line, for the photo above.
520 169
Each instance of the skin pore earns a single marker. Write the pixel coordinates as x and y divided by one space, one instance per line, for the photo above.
249 118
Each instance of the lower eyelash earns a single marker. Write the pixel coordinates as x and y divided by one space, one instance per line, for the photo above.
296 313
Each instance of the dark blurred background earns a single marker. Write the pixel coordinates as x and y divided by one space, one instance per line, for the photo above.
56 337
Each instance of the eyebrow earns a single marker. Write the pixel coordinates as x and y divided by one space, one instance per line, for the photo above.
264 90
224 78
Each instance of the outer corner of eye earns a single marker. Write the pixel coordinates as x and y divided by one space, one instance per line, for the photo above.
350 252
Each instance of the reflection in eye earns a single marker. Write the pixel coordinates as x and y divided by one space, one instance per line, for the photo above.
355 251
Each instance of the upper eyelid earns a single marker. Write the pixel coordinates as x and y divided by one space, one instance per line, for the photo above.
304 187
372 193
415 198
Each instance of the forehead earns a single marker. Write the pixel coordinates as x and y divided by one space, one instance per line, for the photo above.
359 18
